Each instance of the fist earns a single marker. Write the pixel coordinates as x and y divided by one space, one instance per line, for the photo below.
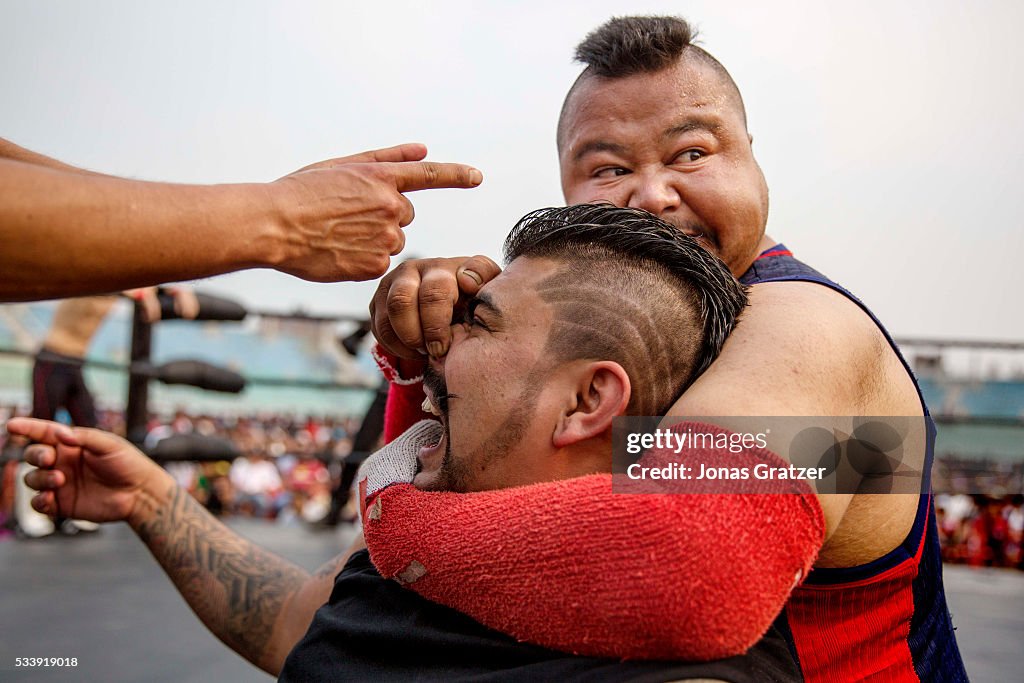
411 312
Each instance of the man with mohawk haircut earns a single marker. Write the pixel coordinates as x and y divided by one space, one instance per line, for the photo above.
655 122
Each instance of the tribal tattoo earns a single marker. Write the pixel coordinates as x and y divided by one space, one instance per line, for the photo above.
234 586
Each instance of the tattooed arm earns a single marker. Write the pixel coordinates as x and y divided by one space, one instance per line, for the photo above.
257 603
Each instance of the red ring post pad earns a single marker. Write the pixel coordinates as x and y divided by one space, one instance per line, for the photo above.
574 566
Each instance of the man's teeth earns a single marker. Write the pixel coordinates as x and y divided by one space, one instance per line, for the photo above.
429 407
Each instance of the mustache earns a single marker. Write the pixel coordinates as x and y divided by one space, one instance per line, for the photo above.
435 382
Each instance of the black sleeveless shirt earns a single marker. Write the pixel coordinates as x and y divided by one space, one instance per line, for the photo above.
373 629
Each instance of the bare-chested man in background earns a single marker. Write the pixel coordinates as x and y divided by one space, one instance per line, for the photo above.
58 381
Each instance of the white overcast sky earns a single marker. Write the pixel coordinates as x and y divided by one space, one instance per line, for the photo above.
891 133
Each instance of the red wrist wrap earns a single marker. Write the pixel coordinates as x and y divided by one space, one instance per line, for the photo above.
405 395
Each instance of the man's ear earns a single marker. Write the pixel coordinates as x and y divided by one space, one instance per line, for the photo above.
602 393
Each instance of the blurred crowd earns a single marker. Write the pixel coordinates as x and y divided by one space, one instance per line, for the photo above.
287 470
292 469
980 530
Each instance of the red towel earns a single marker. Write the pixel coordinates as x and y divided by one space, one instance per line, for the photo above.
573 566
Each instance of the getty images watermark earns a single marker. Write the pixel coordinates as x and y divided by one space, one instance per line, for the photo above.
877 455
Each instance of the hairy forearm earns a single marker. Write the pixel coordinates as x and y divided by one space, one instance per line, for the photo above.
71 233
238 589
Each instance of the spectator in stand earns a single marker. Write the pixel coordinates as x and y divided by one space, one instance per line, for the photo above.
257 485
309 483
1015 522
981 530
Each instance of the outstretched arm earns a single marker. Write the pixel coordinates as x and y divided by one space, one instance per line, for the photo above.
340 219
257 603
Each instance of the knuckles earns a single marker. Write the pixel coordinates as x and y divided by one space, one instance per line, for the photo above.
431 296
381 265
376 266
400 300
431 173
392 206
406 271
392 240
389 340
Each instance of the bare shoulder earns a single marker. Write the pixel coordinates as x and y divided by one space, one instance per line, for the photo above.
806 350
827 328
799 349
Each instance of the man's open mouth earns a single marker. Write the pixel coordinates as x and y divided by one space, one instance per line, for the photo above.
430 407
431 456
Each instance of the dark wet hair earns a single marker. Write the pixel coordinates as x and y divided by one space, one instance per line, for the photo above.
635 290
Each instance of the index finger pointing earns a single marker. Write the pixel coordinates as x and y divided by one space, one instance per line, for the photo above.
427 175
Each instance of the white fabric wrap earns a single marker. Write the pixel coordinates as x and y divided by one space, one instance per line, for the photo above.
396 463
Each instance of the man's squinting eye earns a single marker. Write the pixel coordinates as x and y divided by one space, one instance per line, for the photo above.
690 156
610 172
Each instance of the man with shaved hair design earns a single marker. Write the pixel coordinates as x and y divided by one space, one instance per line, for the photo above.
655 122
542 359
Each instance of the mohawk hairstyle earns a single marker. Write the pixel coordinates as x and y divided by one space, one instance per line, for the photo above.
624 46
627 45
636 290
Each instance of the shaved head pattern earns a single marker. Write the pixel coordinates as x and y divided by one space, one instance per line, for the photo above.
634 290
601 317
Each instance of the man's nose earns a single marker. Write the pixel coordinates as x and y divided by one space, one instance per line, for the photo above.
654 192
